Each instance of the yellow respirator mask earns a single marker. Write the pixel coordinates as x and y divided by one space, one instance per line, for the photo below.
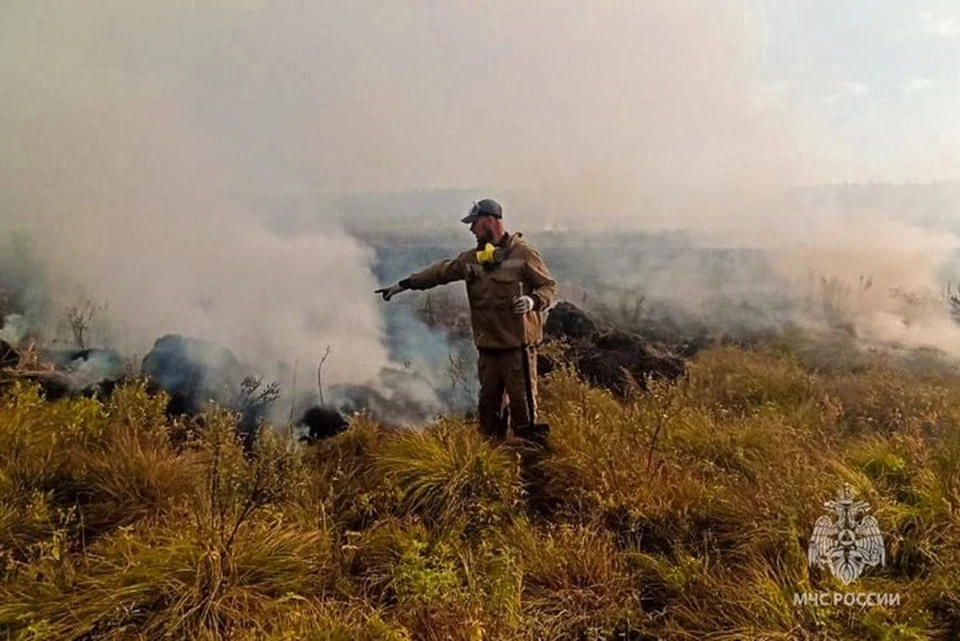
489 256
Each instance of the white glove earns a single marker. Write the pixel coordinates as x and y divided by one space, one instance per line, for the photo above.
390 292
523 304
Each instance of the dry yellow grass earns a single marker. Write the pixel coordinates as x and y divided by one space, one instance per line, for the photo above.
682 513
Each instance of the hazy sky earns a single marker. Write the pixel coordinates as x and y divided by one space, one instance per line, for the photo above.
369 95
881 78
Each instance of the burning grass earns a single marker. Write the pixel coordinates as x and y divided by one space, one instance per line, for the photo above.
680 512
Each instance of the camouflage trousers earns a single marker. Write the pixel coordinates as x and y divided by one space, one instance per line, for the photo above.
503 391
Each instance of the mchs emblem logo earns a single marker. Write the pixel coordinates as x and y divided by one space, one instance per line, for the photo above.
848 541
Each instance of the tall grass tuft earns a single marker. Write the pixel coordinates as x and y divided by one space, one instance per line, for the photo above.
451 477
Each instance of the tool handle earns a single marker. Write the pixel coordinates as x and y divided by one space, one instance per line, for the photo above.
522 327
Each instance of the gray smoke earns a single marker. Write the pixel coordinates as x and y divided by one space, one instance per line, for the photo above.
15 328
183 162
125 193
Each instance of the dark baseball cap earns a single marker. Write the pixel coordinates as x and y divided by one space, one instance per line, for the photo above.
485 207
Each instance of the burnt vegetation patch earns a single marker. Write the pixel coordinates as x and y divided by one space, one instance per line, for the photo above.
612 359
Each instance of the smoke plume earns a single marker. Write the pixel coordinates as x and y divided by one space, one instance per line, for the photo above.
129 197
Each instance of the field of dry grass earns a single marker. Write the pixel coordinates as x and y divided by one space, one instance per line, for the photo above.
680 513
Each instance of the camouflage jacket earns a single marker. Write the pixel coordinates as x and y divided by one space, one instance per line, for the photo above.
491 291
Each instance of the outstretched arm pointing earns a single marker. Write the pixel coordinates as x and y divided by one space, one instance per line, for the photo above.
390 292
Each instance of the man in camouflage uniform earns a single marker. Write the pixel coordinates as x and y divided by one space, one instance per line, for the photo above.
508 288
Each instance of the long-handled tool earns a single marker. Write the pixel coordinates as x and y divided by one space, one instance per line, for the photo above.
534 432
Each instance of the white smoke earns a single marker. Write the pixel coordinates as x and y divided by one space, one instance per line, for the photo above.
132 200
